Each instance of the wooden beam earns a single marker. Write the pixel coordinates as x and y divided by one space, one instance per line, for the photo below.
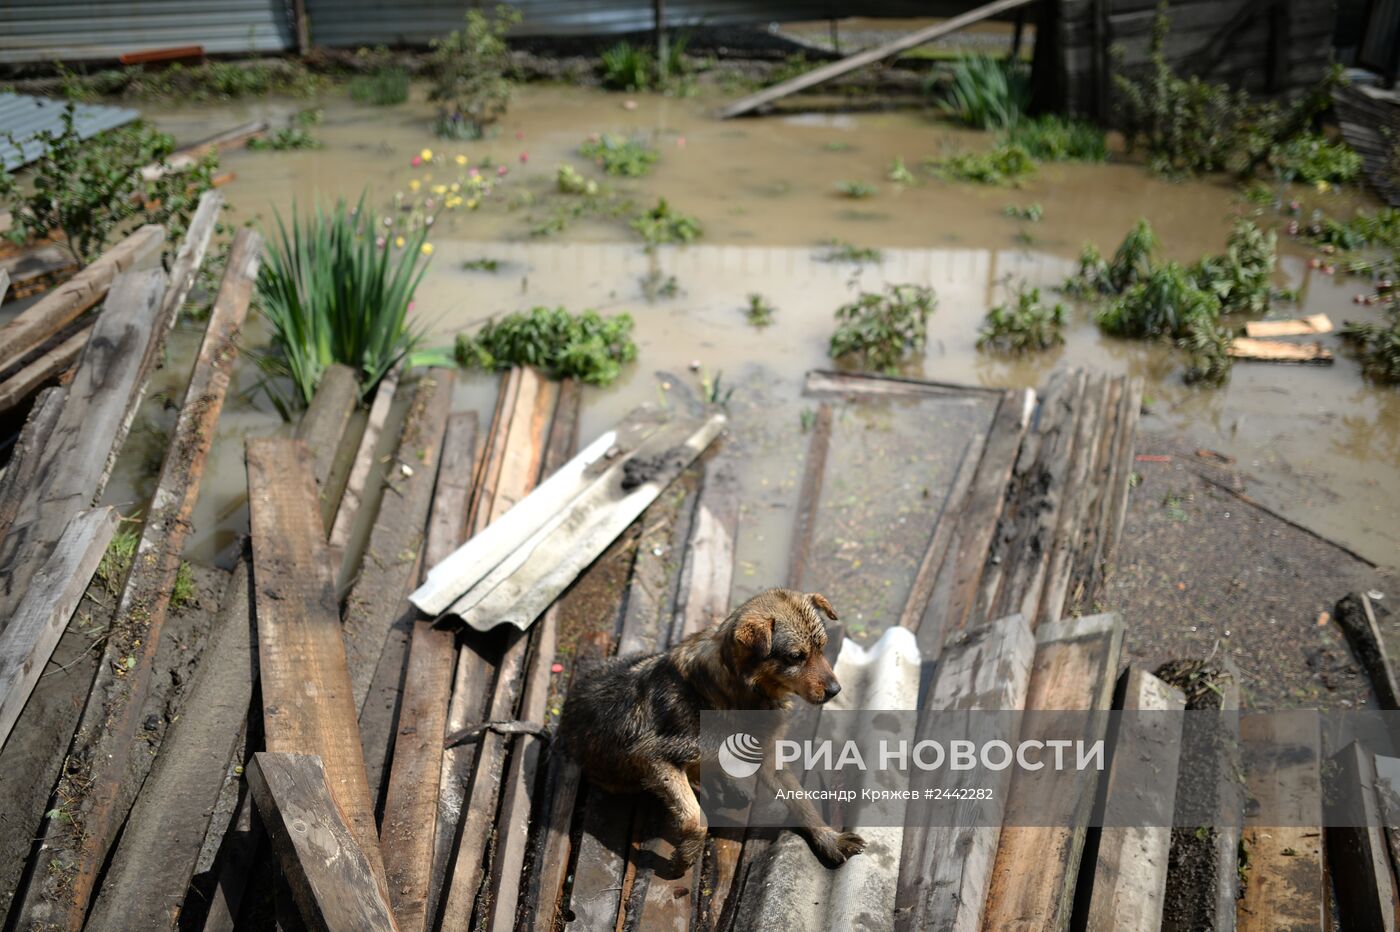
35 269
941 539
868 57
101 793
1357 856
64 304
1076 665
945 870
808 497
308 701
1357 619
1130 853
4 284
27 453
353 495
15 390
1279 351
322 427
1300 327
333 882
28 640
1083 488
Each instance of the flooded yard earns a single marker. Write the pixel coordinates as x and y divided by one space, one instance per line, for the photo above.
1322 442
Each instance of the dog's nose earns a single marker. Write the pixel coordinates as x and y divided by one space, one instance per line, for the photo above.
832 689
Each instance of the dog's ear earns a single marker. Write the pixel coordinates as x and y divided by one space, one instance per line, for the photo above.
819 600
755 632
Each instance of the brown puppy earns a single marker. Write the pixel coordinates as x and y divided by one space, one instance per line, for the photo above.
634 722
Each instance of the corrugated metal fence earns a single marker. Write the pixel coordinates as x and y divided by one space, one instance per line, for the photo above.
68 30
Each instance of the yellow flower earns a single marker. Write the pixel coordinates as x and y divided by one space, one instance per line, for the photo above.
427 249
453 202
439 189
398 241
455 187
426 155
461 160
1323 186
471 204
415 184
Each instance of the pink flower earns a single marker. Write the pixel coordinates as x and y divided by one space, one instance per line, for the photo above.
520 134
501 170
680 142
524 157
556 668
416 161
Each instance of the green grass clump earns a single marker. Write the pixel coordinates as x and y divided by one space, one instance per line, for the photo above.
116 559
1005 164
584 346
1053 138
215 80
183 592
1023 324
877 331
384 87
482 265
628 158
664 224
334 291
1032 213
296 135
759 312
841 251
856 190
899 173
627 67
987 93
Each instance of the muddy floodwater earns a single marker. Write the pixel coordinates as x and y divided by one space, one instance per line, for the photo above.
1322 443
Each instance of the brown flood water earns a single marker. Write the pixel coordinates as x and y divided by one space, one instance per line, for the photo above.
1322 442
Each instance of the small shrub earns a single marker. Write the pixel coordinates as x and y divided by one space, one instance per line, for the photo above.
663 224
1242 278
584 346
627 68
878 330
383 87
656 285
469 68
1023 325
288 138
569 181
1091 278
1132 261
1378 347
1053 138
334 291
1161 305
760 311
628 158
1380 229
1032 213
899 173
987 93
840 251
482 265
856 190
1005 164
1207 348
1312 158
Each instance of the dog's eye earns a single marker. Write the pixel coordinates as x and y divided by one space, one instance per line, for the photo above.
794 658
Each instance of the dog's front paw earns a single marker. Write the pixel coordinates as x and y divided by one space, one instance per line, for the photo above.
835 848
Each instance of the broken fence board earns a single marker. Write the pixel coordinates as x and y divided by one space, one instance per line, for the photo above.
308 702
15 390
1279 351
334 884
1129 862
53 595
945 870
1075 668
1301 327
590 524
1357 856
74 850
64 304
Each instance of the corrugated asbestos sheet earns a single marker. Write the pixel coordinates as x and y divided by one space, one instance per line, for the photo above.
24 117
68 30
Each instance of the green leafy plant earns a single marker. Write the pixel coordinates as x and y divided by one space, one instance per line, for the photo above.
569 181
899 173
1004 164
856 190
1312 158
584 346
616 155
1379 229
1207 347
627 67
657 285
1053 138
470 68
841 251
877 330
759 312
1032 213
987 93
482 265
664 224
214 80
383 87
1242 277
1023 324
1378 346
1161 305
91 190
296 135
335 290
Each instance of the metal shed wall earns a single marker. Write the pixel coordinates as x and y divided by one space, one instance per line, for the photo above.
66 30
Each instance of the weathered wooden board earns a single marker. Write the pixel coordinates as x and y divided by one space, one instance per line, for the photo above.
809 494
334 884
308 701
29 639
1279 351
364 461
35 269
323 427
1076 665
4 285
945 871
941 539
1358 858
1301 327
1130 861
28 452
100 794
65 303
28 380
1088 444
1357 619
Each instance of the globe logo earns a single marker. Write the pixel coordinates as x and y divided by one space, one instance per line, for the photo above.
740 755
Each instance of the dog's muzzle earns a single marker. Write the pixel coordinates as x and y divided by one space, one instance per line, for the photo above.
832 688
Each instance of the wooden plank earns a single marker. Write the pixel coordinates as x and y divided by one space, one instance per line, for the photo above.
941 538
186 157
29 639
27 453
868 57
4 284
101 793
308 702
1284 887
15 390
589 525
323 426
852 384
1300 327
36 268
1078 498
809 496
1076 665
333 882
407 834
1357 619
64 304
945 870
1279 351
1130 860
1357 856
353 495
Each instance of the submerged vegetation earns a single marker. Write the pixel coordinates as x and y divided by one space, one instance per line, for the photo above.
383 87
665 224
295 135
877 330
584 346
1007 163
1378 346
616 155
1023 324
759 312
987 92
335 290
842 251
856 190
469 68
627 67
213 80
1053 138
